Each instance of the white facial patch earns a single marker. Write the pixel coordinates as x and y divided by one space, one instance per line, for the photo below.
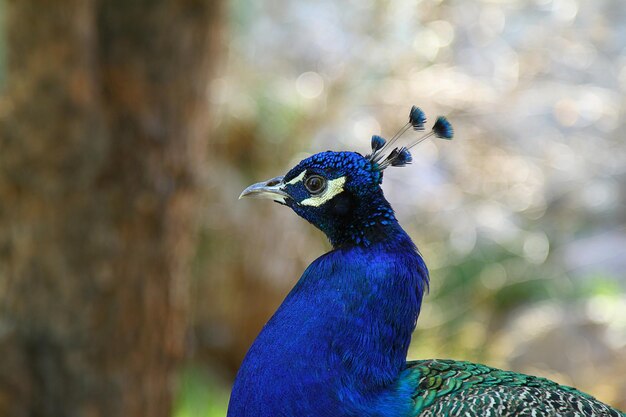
298 178
333 187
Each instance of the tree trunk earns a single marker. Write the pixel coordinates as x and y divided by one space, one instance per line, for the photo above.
102 132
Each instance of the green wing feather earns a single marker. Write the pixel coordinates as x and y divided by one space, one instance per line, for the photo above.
451 388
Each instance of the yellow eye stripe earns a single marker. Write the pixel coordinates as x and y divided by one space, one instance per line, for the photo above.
333 187
298 178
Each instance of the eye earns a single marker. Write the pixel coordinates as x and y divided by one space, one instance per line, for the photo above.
315 184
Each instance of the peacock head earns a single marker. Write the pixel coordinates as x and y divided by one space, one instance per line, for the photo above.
340 193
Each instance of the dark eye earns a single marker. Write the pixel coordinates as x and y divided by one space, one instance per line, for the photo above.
315 184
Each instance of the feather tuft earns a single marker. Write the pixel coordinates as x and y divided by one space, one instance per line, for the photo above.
417 118
402 158
385 153
398 157
443 129
377 142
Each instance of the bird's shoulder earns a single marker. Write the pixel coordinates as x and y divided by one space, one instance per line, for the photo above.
442 387
380 260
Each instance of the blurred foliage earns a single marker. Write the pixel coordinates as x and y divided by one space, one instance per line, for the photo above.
521 219
199 394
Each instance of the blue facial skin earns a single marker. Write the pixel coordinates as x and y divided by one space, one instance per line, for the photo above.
337 345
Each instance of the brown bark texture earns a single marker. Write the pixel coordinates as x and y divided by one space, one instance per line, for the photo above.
103 124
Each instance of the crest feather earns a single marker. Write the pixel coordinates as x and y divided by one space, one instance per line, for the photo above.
384 154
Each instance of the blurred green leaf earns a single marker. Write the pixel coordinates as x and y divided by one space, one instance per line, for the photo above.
200 394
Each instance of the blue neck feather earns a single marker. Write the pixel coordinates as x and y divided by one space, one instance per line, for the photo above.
339 341
375 223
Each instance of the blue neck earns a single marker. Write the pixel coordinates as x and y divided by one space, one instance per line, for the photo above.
358 220
339 340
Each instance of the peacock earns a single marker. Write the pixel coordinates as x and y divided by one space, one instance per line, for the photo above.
337 345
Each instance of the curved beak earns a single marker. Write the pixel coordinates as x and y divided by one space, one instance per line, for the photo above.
270 189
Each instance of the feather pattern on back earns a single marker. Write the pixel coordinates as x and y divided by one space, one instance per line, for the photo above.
454 388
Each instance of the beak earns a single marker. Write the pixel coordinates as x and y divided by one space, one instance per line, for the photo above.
270 189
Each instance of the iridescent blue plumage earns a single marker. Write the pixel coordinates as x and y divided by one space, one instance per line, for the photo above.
337 345
339 341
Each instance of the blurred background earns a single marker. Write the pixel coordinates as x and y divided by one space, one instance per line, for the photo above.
521 218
